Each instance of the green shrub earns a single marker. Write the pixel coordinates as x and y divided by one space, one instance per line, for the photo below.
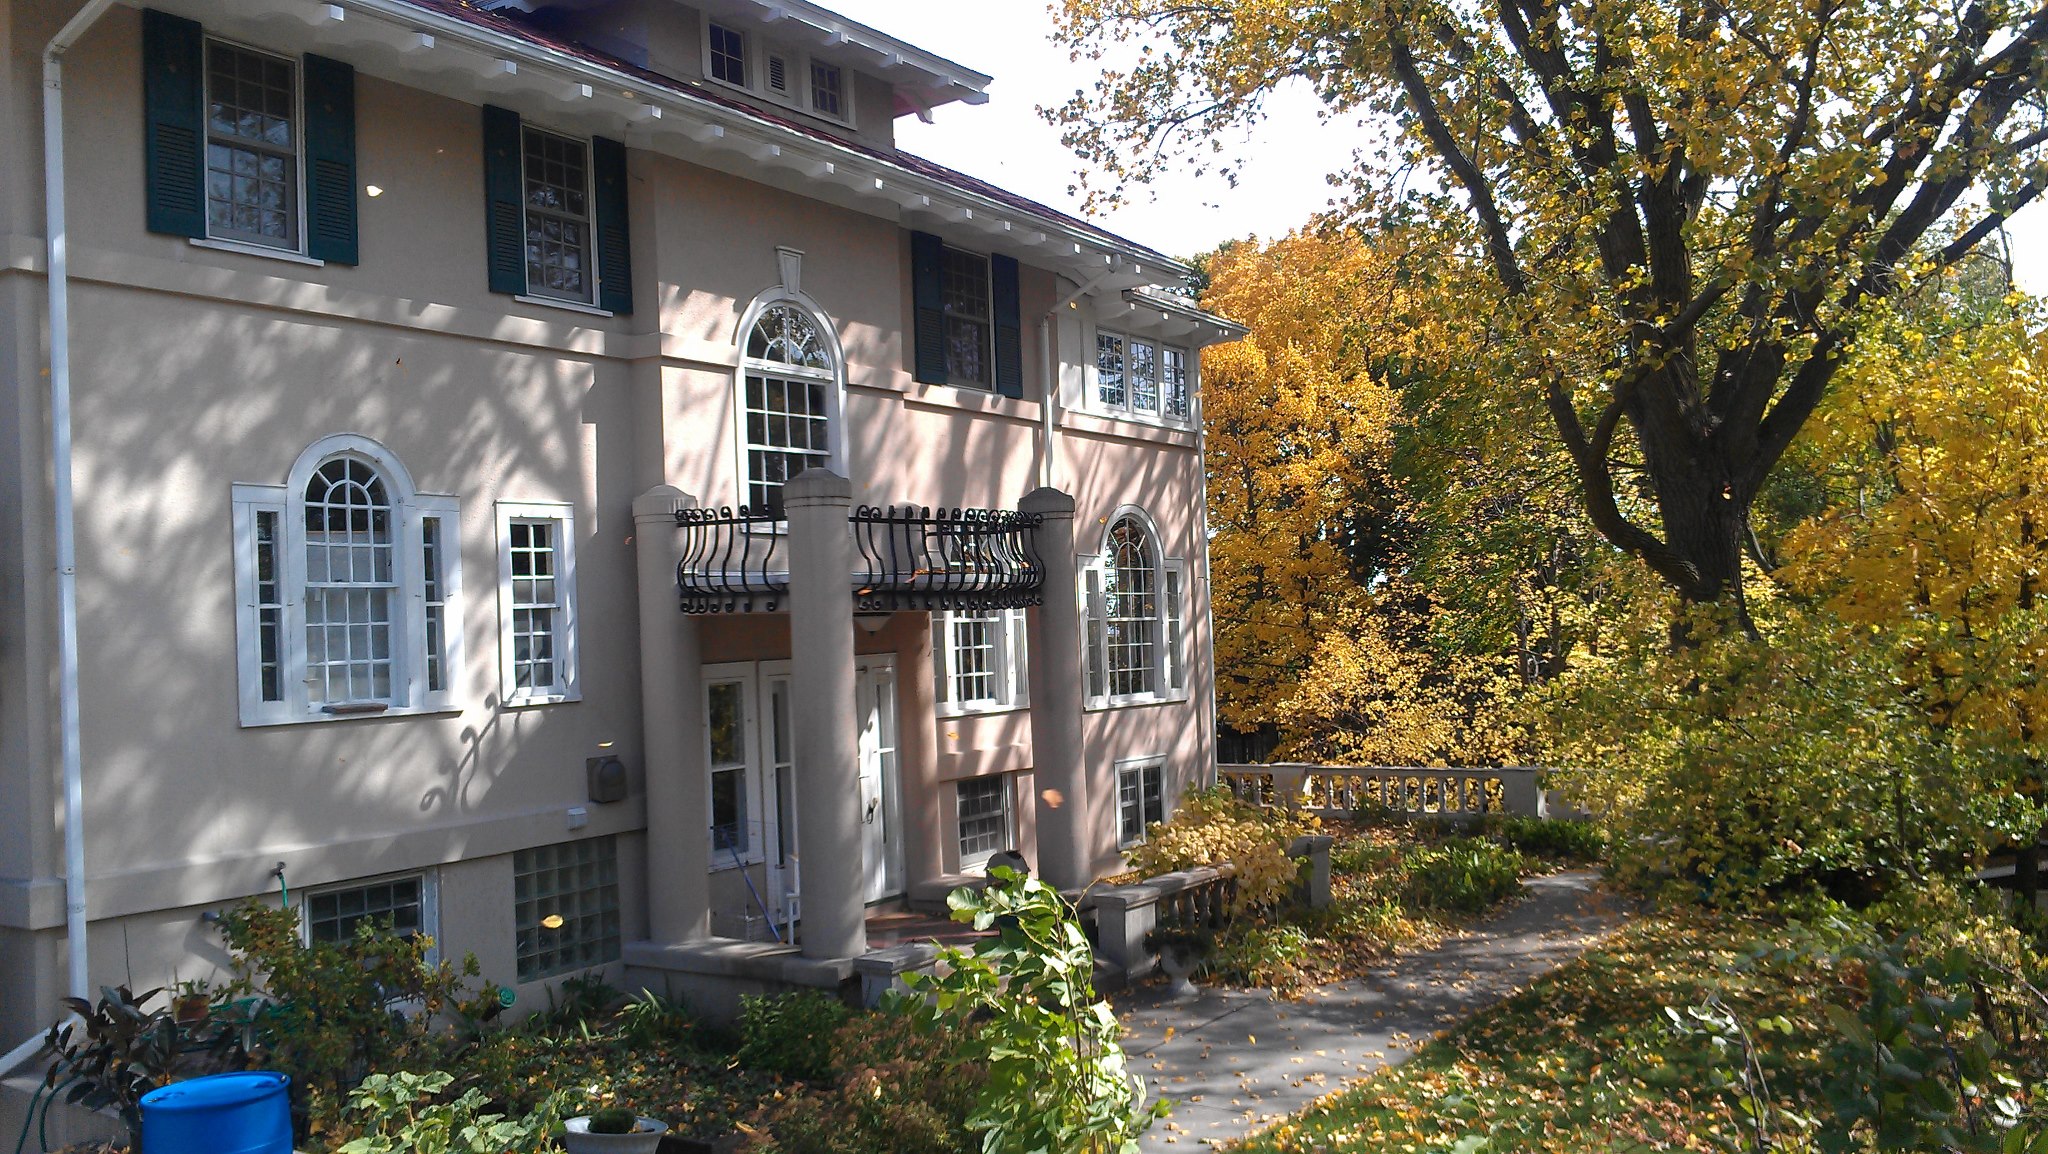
905 1089
1213 827
1268 956
404 1113
791 1034
614 1120
1463 875
1582 841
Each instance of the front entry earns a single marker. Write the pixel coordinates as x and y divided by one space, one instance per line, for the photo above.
881 802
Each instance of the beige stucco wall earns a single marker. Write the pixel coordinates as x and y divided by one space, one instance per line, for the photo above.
195 369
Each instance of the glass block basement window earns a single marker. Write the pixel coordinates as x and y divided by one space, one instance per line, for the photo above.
567 906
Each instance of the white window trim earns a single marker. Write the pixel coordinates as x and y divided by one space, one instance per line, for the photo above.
409 509
1091 393
1013 671
1094 640
753 731
570 687
755 49
829 335
430 904
1006 790
237 244
1138 765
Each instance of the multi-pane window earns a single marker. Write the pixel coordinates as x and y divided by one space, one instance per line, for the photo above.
1136 375
790 402
536 601
978 659
350 583
1140 801
969 328
566 907
252 147
725 723
728 55
1133 618
828 92
984 813
346 582
557 192
1173 379
397 907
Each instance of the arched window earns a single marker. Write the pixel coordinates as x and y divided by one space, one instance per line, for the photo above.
789 400
1132 601
346 583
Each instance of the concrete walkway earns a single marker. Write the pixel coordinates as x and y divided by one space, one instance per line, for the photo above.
1236 1060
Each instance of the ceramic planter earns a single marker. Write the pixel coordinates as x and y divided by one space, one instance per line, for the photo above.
645 1138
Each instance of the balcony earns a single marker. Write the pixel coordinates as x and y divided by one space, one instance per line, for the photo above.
905 558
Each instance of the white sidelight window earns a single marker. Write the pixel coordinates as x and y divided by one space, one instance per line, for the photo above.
1140 798
978 658
346 580
789 402
1133 617
983 809
537 603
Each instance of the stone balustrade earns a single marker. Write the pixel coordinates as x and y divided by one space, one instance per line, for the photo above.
1435 792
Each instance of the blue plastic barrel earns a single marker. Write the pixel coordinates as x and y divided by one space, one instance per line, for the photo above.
219 1114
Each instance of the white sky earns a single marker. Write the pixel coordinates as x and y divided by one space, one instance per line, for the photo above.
1005 142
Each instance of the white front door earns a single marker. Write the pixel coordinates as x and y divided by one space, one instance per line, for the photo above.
880 802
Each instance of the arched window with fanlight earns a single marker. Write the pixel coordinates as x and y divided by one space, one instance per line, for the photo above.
789 399
1133 612
347 589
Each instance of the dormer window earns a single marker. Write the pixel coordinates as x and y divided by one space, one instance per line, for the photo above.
784 75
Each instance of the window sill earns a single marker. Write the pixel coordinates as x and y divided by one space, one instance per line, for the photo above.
1097 704
526 699
247 249
982 710
720 864
567 306
331 718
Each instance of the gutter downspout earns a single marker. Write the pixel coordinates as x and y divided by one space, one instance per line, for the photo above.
1049 409
63 508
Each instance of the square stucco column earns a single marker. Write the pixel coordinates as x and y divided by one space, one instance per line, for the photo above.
672 730
1065 853
824 722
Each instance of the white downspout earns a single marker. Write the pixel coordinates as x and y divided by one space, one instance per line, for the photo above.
1049 408
66 537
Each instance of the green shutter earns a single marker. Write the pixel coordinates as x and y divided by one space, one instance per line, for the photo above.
330 160
173 96
1009 327
503 217
614 245
928 304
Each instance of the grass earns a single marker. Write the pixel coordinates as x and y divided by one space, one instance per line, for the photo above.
1584 1060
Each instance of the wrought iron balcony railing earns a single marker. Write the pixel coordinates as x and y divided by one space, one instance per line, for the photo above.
905 558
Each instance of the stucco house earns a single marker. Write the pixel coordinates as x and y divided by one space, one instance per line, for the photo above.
554 475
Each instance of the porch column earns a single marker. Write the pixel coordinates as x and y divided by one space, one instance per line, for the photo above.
672 730
824 723
1057 673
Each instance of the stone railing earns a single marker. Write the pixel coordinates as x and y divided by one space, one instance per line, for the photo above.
1200 897
1404 791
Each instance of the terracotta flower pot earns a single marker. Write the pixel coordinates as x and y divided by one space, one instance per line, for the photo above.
645 1138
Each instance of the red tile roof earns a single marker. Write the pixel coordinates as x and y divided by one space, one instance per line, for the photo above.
507 25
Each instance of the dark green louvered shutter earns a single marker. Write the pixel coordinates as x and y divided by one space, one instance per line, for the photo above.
928 304
614 245
1009 327
503 216
173 99
330 160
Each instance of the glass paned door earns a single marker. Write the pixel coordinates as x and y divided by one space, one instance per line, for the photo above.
881 803
783 882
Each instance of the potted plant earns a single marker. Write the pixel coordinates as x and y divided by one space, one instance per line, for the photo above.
1181 950
613 1130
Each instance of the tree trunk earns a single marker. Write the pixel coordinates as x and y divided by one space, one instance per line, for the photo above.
1706 520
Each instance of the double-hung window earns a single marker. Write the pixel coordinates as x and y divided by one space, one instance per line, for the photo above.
1139 376
556 215
983 813
978 659
347 582
537 603
246 149
1133 604
968 328
1140 798
557 179
789 402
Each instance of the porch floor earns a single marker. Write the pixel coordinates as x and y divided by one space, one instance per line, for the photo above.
899 927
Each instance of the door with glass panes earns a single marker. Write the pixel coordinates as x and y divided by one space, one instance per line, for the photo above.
881 802
753 822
